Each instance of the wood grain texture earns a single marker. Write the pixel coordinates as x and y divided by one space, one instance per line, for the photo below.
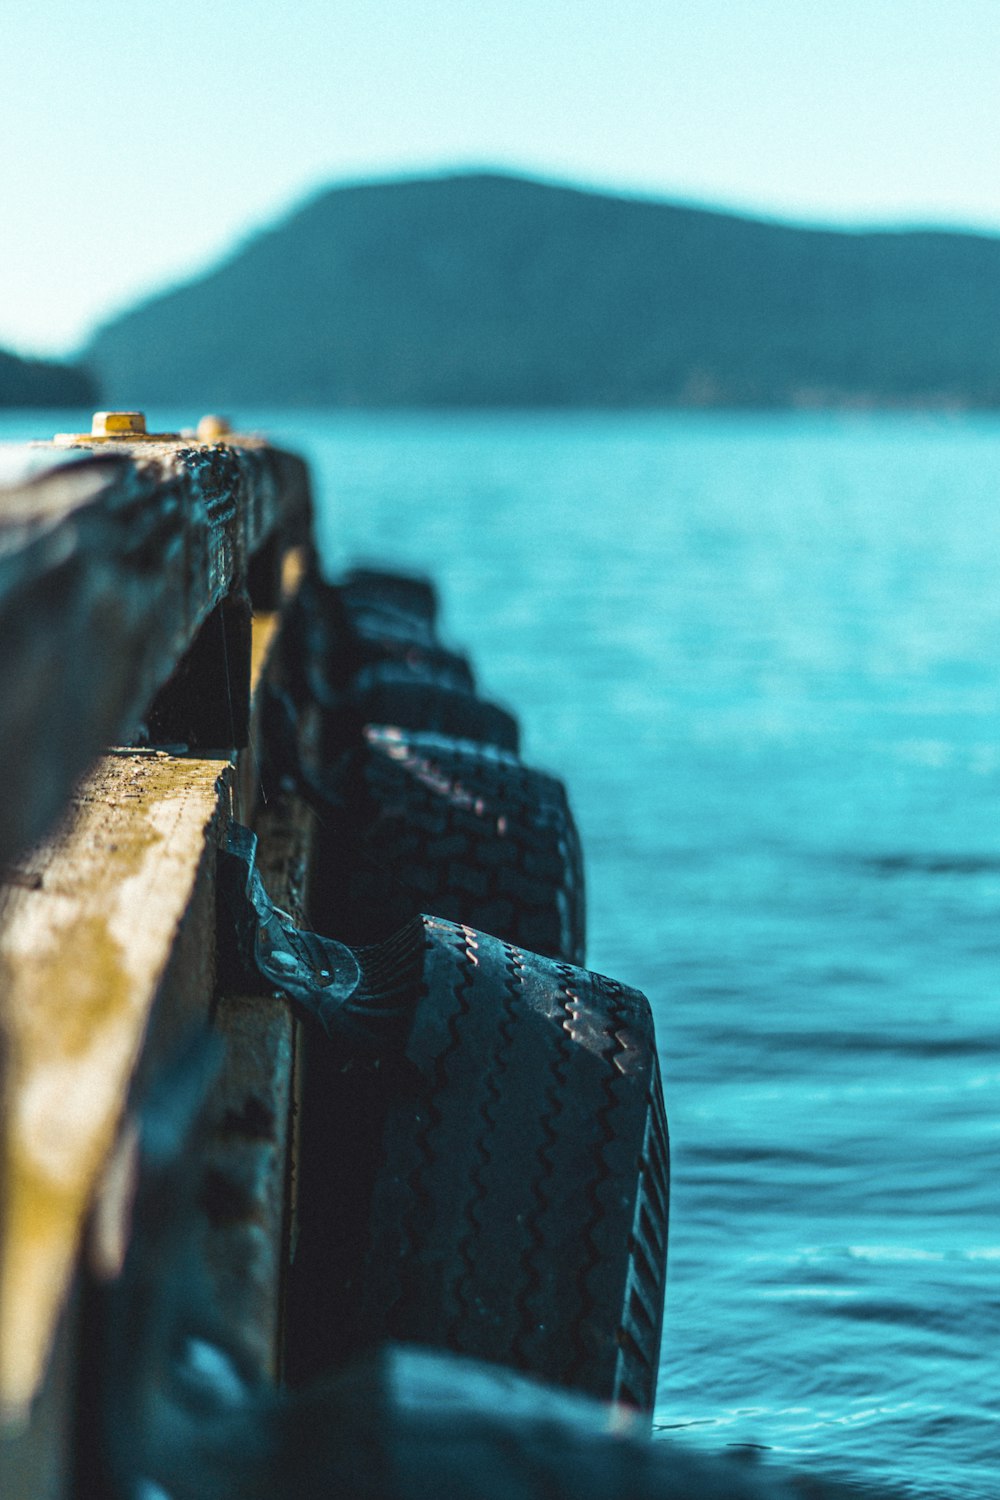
249 1158
263 655
110 562
116 907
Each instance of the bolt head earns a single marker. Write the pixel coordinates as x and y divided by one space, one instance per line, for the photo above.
211 428
120 424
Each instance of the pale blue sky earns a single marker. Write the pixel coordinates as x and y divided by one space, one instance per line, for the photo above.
139 140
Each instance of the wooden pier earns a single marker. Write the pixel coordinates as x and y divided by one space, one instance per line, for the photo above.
490 1176
141 583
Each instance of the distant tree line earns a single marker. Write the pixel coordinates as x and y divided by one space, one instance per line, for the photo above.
42 382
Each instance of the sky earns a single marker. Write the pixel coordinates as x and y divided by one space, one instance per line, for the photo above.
139 143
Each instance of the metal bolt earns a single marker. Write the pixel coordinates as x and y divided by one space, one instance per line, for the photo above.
114 427
211 428
119 424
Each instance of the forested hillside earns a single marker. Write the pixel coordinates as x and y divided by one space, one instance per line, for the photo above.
486 290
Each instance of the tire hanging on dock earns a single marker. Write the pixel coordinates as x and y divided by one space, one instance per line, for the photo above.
381 589
460 829
388 693
375 650
500 1190
338 630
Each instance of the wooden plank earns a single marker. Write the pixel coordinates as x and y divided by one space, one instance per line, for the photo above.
250 1152
263 654
245 1178
112 912
262 651
249 1167
110 562
88 869
36 1457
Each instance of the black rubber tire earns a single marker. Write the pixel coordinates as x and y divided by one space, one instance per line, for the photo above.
460 829
331 639
384 676
404 593
374 638
511 1200
407 1424
392 618
381 637
388 694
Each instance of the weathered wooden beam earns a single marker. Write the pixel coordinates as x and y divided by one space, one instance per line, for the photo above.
107 934
263 655
114 566
111 560
249 1153
107 943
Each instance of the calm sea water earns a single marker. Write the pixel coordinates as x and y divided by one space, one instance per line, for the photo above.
765 654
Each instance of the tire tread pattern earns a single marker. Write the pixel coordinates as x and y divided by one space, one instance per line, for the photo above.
387 693
519 1214
469 833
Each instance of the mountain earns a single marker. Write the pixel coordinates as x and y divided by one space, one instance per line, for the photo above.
488 290
42 382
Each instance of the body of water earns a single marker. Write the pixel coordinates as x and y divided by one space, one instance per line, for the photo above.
764 652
